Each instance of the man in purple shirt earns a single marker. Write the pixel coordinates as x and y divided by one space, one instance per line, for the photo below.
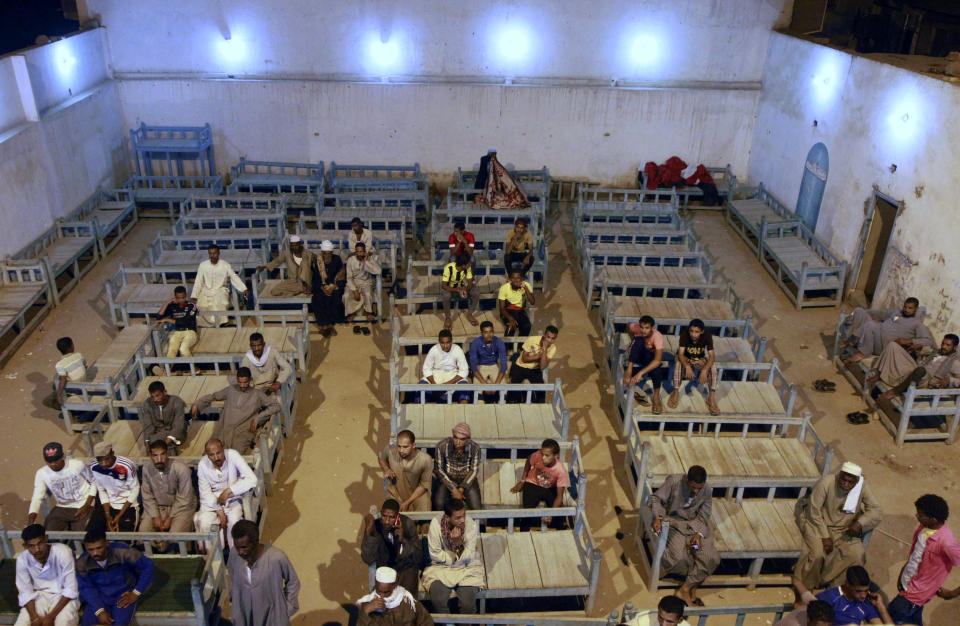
488 358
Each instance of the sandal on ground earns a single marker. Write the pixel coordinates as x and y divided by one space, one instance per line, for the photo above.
858 417
824 385
364 330
697 602
641 400
357 330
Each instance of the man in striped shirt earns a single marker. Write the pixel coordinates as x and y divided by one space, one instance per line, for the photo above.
118 486
456 468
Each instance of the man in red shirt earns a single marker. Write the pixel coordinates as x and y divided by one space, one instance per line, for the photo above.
462 242
544 480
933 554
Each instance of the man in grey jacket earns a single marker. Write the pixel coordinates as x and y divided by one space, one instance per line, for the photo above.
169 500
163 416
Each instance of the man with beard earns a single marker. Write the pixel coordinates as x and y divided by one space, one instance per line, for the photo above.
832 520
299 263
392 541
866 332
169 500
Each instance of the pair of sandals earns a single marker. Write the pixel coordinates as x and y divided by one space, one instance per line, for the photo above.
858 417
361 330
824 386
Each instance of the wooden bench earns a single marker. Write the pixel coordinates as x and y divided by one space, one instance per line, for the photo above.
112 376
287 331
770 613
716 303
759 390
675 234
388 245
423 282
393 203
25 298
670 275
382 221
266 301
300 185
169 192
188 252
617 253
804 267
734 341
68 249
723 178
764 453
186 589
933 405
257 223
531 564
345 178
487 237
460 204
113 214
421 330
141 291
604 205
748 216
535 183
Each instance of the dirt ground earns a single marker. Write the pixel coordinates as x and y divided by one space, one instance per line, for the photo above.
329 476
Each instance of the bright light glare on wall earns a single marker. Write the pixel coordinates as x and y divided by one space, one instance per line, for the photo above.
644 50
905 120
514 43
826 84
382 53
64 59
232 50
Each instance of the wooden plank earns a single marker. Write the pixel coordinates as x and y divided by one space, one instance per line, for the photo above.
433 422
558 558
725 535
490 483
198 433
510 474
524 560
496 561
740 532
509 422
664 456
482 420
452 415
764 449
125 437
798 458
410 417
533 423
780 530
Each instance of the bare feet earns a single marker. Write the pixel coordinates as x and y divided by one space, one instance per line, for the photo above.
889 394
712 406
472 319
674 399
447 323
684 594
657 404
857 357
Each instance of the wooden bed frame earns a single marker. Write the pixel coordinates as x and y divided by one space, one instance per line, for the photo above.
803 266
388 243
68 249
170 192
723 177
346 178
460 205
113 214
717 303
680 275
265 302
26 297
386 202
300 185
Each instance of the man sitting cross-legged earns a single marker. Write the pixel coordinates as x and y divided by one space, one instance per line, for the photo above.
866 332
457 282
299 263
544 480
392 541
936 370
446 365
696 361
687 503
832 519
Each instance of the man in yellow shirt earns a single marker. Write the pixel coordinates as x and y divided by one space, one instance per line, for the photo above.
512 302
519 246
534 357
458 282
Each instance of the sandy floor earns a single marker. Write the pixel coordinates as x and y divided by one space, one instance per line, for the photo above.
328 478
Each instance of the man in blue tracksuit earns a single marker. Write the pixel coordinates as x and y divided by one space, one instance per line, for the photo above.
104 573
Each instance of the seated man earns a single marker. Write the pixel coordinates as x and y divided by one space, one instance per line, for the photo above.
461 242
544 480
46 581
299 262
119 488
245 409
696 360
222 479
853 602
269 368
391 604
181 314
358 234
457 467
71 484
169 500
644 360
512 301
103 574
409 472
669 612
163 417
71 367
832 519
211 291
362 267
687 503
813 613
518 248
457 282
488 358
866 332
455 560
392 541
936 370
445 364
534 357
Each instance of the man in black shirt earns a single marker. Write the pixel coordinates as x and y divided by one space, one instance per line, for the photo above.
696 362
182 314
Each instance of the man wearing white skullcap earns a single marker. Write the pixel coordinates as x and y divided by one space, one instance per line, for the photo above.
833 519
389 604
329 279
299 264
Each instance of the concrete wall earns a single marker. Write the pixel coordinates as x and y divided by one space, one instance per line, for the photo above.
870 116
49 166
599 133
715 40
11 108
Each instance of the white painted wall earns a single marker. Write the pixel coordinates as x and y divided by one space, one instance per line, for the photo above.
11 109
869 115
599 133
67 68
715 40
